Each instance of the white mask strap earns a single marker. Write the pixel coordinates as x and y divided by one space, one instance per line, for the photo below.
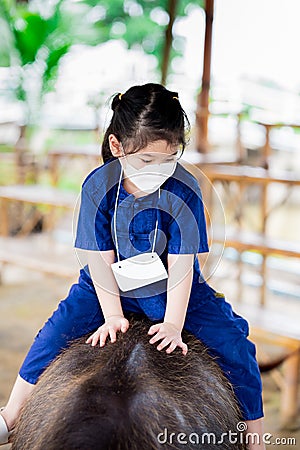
115 217
156 226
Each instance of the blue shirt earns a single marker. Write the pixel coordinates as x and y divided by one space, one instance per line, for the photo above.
181 225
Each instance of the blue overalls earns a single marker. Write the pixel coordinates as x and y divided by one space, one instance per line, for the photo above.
181 230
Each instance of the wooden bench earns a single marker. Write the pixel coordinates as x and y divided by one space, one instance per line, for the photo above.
249 174
281 330
244 176
250 241
243 240
40 253
269 124
87 152
33 194
246 241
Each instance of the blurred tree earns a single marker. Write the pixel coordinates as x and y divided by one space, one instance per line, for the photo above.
144 23
35 35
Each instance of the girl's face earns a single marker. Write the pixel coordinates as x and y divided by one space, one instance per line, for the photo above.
158 152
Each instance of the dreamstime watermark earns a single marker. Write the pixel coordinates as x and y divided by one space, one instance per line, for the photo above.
240 436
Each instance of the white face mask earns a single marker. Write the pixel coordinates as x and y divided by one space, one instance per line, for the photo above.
150 177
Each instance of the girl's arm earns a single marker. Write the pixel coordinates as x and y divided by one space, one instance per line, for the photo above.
108 295
180 270
104 281
179 288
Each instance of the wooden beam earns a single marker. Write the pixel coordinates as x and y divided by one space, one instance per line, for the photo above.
172 7
203 97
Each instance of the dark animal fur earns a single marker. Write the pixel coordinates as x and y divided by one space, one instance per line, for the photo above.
123 395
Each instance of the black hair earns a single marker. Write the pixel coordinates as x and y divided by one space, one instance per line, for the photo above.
145 114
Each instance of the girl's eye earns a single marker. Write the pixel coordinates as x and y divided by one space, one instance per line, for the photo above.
146 161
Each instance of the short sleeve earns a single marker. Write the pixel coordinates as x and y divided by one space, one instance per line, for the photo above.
187 228
93 231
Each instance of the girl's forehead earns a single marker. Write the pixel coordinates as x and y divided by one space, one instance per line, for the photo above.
159 147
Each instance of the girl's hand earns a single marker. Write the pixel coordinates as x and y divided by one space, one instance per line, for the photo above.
169 335
110 327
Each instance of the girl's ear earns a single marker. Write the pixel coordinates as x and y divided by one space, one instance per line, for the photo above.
115 146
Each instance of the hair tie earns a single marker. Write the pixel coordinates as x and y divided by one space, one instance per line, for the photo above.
176 98
120 96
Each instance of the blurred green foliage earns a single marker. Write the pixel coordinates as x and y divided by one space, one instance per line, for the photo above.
36 34
139 22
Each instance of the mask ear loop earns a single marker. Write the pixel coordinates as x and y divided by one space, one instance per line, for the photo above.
115 219
115 216
156 227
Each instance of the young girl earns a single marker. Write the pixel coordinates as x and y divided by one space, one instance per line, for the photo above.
142 201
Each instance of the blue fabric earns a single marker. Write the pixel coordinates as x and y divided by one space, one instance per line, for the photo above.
179 210
79 313
182 229
225 334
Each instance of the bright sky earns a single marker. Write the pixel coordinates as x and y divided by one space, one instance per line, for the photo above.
252 38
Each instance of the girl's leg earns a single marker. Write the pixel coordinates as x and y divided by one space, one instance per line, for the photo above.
225 334
21 391
75 316
78 314
255 429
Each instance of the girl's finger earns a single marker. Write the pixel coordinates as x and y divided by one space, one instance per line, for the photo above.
154 328
95 338
157 337
89 339
103 336
184 348
163 343
124 326
112 335
172 347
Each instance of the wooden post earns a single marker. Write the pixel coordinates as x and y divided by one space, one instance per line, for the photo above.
266 151
264 217
53 163
241 151
203 98
4 217
172 6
